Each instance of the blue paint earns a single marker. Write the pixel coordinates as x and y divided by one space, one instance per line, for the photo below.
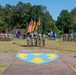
43 56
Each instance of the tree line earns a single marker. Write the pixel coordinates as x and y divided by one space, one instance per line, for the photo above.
18 17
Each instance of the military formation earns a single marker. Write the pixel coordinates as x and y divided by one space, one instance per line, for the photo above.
69 37
6 37
35 39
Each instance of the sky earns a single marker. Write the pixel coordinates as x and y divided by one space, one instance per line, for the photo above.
53 6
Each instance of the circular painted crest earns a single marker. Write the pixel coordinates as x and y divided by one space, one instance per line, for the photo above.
37 58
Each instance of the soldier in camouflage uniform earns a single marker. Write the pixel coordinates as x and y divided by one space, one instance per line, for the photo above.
39 39
43 40
35 38
31 38
28 39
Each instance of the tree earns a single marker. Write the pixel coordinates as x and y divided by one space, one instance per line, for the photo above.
19 16
46 22
65 22
73 12
1 23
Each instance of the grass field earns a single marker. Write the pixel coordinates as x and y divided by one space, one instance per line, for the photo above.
73 66
2 67
55 45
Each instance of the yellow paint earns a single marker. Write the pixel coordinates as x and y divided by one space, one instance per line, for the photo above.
37 54
51 56
22 55
37 60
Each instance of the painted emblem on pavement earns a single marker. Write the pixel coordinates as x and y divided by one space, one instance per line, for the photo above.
37 58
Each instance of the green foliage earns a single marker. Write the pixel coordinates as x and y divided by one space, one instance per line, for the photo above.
54 28
73 12
1 23
2 67
65 21
20 15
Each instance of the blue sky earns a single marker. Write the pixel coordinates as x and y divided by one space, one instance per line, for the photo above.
53 6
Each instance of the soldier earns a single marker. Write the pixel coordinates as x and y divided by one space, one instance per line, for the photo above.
28 39
39 39
74 37
31 39
0 36
69 37
35 38
43 40
64 37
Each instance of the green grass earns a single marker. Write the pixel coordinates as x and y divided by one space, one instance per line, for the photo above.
61 46
73 67
2 67
55 45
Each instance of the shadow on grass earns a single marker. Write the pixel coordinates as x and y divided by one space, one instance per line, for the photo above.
44 47
26 45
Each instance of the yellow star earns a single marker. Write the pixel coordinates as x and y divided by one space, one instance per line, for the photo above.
23 56
51 56
37 60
